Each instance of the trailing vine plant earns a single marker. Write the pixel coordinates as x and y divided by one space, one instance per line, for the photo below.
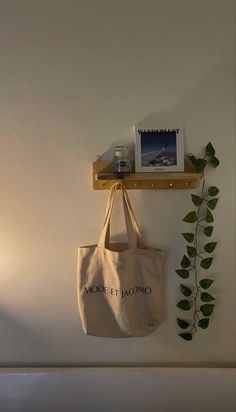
199 250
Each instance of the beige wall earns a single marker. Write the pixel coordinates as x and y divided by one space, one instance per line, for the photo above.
75 76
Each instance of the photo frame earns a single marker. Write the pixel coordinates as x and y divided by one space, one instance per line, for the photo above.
159 148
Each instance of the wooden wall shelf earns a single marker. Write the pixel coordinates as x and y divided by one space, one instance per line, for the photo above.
103 178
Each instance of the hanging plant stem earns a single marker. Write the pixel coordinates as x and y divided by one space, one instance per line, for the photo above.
196 299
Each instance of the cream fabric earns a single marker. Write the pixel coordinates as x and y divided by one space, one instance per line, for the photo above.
120 284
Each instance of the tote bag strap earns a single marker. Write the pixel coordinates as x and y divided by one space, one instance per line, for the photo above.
131 212
141 241
133 232
110 204
130 216
110 200
104 237
104 240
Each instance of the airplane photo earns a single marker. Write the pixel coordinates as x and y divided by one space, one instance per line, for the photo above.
151 157
158 148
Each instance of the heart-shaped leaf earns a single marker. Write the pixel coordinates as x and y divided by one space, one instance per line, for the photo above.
212 203
197 200
188 236
192 251
206 263
210 151
186 336
185 262
210 247
182 323
191 217
213 191
203 323
214 161
209 217
183 273
208 230
206 283
206 297
199 163
207 309
184 304
185 290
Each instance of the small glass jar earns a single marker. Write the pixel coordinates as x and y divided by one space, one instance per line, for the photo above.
121 161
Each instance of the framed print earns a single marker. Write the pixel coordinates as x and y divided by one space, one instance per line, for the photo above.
159 149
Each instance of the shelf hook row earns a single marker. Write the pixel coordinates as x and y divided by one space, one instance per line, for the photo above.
151 185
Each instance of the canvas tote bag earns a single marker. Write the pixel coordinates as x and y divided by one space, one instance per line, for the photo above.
119 285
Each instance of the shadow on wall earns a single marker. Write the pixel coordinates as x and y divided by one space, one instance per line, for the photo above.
193 107
13 332
192 110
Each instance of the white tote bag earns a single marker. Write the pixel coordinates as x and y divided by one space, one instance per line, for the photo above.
120 284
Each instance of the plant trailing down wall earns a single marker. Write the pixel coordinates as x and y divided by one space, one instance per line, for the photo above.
196 297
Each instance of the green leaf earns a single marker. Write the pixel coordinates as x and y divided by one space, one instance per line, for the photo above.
213 191
186 336
206 297
206 283
210 151
212 203
208 230
206 263
184 304
197 200
182 323
188 236
210 247
185 290
199 163
214 161
209 217
185 262
207 309
203 323
191 217
183 273
192 251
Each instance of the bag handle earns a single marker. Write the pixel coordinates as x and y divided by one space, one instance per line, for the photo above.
104 239
141 242
126 204
131 212
132 228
